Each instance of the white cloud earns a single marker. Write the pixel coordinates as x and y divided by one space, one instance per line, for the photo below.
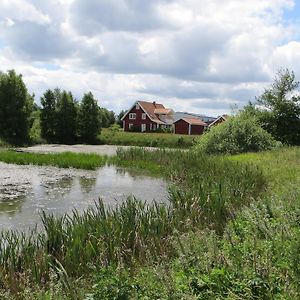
193 55
21 10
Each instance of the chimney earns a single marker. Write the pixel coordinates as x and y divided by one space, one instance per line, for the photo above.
154 103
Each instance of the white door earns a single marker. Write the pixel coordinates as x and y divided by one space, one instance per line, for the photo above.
143 128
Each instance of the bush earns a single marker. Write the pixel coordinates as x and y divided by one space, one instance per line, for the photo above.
237 135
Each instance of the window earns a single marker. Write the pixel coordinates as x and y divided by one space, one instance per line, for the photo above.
143 116
130 125
132 116
143 128
150 126
137 106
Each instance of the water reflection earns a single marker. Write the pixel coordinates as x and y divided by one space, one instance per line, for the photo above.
26 190
87 184
11 206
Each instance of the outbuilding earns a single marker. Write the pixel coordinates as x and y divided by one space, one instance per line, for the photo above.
190 126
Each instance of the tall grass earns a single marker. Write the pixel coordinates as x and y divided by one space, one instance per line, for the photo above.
206 192
146 139
61 160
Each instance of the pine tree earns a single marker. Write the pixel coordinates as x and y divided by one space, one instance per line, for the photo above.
66 119
48 116
15 108
88 121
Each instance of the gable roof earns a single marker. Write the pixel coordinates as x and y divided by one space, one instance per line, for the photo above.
206 119
193 121
223 117
162 111
149 108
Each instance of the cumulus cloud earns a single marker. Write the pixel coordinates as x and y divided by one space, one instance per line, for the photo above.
194 55
37 42
90 17
19 10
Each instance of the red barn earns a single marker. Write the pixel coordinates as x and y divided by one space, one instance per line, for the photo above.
147 116
190 126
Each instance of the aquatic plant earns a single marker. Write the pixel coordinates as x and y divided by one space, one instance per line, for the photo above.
61 160
206 192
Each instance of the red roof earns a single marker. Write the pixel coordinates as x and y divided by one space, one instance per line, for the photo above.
154 110
162 111
150 107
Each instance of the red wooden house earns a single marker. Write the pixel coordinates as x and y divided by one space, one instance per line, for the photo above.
147 116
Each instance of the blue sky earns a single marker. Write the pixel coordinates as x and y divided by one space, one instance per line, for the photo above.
292 14
191 55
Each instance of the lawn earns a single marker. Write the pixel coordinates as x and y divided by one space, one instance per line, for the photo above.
146 139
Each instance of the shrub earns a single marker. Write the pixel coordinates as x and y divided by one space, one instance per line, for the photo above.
237 135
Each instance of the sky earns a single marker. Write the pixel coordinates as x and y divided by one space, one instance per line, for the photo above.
202 56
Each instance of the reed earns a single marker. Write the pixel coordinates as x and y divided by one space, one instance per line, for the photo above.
205 192
61 160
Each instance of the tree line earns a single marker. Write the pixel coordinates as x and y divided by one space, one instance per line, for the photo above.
63 119
60 118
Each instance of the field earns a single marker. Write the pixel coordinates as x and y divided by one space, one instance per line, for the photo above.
117 137
231 232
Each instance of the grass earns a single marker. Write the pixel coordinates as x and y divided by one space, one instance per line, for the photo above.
61 160
133 233
231 232
170 140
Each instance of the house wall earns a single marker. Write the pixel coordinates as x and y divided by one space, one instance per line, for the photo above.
181 127
197 129
138 121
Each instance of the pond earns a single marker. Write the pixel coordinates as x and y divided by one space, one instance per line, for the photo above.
27 190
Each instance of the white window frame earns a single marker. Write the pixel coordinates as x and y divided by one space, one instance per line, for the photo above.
143 127
130 126
132 116
144 116
150 126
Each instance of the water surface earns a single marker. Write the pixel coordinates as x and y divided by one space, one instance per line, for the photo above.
27 190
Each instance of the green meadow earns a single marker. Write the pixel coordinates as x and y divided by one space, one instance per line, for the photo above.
230 231
61 160
110 136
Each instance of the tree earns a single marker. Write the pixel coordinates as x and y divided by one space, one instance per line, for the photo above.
48 116
15 108
88 119
281 101
238 134
66 118
107 117
120 116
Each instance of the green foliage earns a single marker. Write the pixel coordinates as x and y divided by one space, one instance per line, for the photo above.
107 117
62 160
15 108
35 130
88 119
146 139
282 117
119 118
48 116
66 126
237 135
133 231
